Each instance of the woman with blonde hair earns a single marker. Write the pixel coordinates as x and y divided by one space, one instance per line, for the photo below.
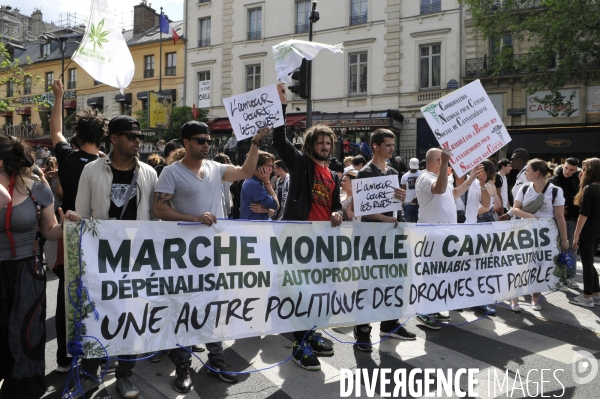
587 232
347 202
553 205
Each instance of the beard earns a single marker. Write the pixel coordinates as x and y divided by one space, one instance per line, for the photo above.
320 157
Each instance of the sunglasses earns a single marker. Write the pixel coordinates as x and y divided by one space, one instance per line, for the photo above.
202 140
132 136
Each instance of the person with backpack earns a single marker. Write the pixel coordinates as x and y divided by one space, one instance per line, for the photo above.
540 199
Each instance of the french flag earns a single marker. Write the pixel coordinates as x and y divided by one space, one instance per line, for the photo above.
166 27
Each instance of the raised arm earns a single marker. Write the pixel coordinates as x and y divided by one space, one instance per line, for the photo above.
234 173
56 118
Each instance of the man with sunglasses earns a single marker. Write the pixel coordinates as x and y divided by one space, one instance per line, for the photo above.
190 190
118 187
518 161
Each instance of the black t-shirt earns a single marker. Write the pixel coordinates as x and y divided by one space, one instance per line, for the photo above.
70 165
159 168
498 182
120 184
590 206
370 170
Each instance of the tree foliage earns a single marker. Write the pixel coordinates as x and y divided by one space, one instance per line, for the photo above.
13 73
558 40
179 116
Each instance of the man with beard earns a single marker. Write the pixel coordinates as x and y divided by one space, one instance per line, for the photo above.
190 191
314 195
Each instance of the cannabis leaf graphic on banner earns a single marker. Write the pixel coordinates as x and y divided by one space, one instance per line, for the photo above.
97 36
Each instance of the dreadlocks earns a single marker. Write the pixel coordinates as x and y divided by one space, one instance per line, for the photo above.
311 136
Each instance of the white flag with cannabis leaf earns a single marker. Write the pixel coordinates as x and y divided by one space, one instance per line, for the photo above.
103 52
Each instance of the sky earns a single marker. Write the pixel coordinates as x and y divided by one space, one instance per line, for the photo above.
123 9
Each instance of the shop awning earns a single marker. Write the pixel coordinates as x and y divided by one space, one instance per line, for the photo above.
123 98
293 120
6 113
47 142
23 111
70 104
142 95
366 120
573 141
169 92
220 124
95 101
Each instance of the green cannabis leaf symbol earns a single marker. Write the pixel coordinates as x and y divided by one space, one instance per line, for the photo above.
97 36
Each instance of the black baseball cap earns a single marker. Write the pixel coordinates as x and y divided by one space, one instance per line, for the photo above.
123 123
193 128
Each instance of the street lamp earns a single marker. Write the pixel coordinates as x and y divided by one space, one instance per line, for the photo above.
313 18
63 41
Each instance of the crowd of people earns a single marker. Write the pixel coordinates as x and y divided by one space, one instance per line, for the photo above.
301 183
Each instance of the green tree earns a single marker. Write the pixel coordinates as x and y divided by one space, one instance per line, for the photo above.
13 73
562 37
180 116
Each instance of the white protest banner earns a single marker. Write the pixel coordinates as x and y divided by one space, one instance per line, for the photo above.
467 122
254 110
204 94
158 284
375 195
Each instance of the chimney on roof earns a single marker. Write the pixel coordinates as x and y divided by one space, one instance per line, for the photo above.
144 17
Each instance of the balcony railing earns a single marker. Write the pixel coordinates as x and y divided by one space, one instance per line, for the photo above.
302 28
204 42
487 65
148 73
71 85
431 8
170 71
254 34
204 1
358 19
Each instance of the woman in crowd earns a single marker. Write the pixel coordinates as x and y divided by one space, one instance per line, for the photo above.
485 212
587 232
22 281
552 206
347 202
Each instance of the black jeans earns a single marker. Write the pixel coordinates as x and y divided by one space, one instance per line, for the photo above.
59 319
588 244
123 370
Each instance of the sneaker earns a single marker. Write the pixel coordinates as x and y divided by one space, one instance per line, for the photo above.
441 317
582 301
198 348
516 309
126 388
362 336
428 322
183 381
318 346
487 309
572 284
63 368
536 306
88 386
564 288
157 357
304 356
596 299
222 370
399 333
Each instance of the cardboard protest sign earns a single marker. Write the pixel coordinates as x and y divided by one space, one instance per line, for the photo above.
254 110
467 122
375 195
146 286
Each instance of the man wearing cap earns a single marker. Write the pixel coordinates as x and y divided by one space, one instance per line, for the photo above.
118 187
190 190
408 181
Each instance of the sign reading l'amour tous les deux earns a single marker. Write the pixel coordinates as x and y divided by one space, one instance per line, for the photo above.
159 284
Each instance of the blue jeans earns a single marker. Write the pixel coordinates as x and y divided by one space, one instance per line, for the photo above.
411 213
571 224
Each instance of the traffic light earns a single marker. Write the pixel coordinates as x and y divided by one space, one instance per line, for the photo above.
299 75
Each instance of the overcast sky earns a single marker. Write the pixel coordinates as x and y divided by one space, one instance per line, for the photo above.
123 9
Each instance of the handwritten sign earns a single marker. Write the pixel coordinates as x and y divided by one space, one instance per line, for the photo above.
204 94
375 195
254 110
467 122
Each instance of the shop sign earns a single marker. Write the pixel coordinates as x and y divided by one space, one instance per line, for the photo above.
19 130
47 97
516 111
563 104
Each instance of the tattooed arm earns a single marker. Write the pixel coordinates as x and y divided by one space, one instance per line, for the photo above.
163 209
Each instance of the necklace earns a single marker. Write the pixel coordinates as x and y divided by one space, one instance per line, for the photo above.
123 170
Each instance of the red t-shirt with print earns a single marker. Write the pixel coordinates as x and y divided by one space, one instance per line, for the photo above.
322 192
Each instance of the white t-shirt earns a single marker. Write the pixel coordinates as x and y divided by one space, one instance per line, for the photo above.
521 179
410 180
434 208
504 192
547 208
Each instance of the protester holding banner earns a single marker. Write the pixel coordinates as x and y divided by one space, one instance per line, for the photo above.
411 205
90 129
519 160
29 211
347 201
190 190
587 232
282 185
382 145
436 204
314 196
485 213
540 199
117 187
